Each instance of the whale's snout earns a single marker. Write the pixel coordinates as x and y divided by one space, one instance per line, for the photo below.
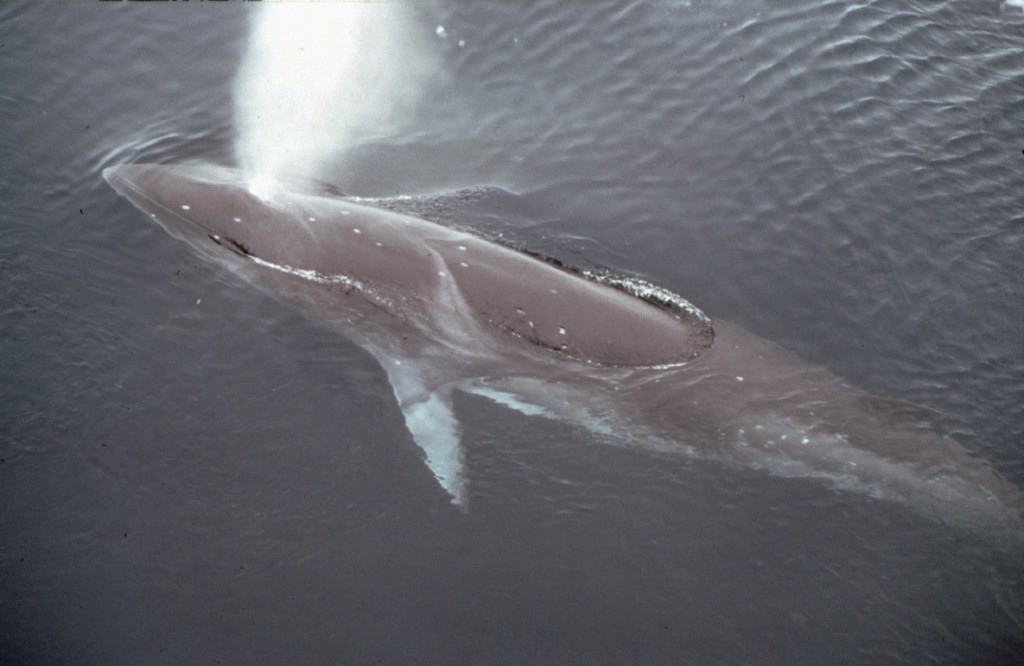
121 177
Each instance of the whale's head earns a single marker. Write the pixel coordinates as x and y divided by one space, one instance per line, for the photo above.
434 277
215 209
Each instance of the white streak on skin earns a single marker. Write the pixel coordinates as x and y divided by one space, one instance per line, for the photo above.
511 401
237 219
463 264
306 274
739 379
186 207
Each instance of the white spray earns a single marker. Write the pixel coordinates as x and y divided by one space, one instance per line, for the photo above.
318 78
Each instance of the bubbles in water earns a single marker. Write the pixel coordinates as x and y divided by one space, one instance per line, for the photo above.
319 78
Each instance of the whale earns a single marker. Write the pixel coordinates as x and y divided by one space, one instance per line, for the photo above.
445 309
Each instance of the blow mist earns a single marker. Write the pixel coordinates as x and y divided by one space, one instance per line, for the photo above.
317 79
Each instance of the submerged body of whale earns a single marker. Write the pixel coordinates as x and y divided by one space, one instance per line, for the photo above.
443 309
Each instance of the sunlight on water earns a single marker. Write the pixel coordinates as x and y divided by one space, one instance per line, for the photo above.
319 78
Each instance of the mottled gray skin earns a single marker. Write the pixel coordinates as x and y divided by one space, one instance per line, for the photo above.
443 309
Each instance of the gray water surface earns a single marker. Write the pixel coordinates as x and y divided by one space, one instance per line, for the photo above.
191 472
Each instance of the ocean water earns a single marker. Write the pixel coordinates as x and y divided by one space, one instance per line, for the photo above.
193 472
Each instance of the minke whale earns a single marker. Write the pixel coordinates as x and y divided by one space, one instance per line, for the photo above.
443 309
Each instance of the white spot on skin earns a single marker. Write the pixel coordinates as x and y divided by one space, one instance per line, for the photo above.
198 301
561 331
186 207
805 441
553 291
739 379
312 219
357 231
462 248
463 264
237 219
442 274
379 244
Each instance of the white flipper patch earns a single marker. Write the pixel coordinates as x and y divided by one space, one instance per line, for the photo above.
506 399
430 417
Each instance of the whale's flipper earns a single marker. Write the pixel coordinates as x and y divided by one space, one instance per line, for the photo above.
430 417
